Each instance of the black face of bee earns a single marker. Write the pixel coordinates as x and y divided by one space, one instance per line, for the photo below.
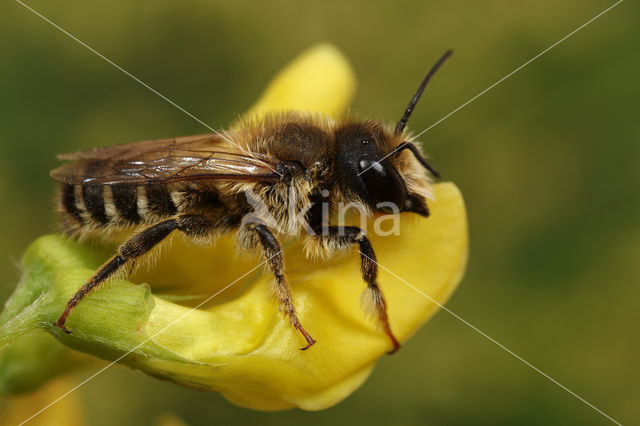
362 169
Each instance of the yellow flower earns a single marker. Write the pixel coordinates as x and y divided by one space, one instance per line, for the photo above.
68 411
238 344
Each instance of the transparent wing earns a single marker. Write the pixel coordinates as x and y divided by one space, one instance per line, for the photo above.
164 161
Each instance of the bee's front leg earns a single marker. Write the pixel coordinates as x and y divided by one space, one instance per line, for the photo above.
343 237
282 290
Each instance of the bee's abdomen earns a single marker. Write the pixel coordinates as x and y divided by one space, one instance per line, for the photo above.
97 206
125 203
71 214
93 197
159 200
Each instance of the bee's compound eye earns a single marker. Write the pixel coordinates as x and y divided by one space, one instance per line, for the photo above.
366 165
383 183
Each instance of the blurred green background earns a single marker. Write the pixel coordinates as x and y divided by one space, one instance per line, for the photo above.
548 162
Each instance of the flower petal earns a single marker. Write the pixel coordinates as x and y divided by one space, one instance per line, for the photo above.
319 80
67 412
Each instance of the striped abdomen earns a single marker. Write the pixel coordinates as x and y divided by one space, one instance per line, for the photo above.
96 206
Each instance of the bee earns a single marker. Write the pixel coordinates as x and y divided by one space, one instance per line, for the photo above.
199 186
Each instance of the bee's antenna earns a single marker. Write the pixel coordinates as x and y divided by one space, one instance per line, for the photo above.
414 149
416 97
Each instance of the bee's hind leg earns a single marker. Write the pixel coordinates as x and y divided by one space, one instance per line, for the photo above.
190 224
273 257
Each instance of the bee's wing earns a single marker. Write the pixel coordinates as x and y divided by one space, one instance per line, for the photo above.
164 161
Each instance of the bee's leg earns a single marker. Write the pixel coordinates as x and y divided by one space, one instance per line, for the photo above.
138 245
341 238
273 257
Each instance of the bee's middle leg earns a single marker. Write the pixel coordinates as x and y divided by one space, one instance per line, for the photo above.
273 257
190 224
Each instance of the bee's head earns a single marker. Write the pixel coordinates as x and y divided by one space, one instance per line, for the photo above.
370 166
